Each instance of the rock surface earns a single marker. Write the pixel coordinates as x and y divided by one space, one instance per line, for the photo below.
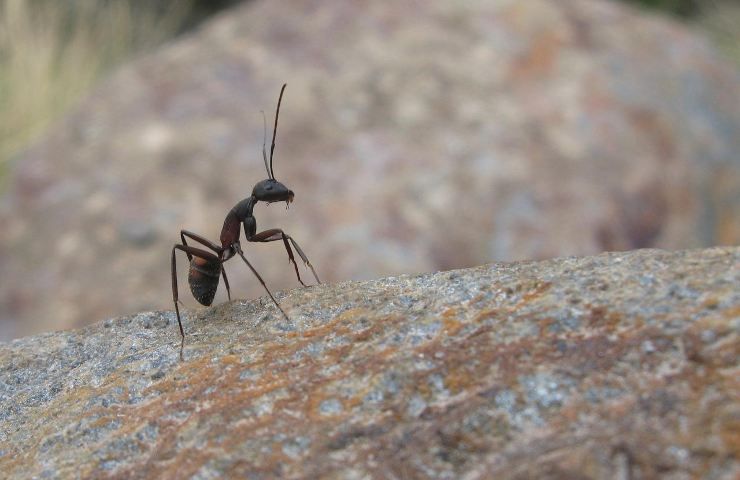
618 366
416 139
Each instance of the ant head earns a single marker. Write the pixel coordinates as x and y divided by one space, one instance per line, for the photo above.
270 190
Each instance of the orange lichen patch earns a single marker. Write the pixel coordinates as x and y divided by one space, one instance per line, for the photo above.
460 379
450 327
486 315
243 396
731 313
601 317
334 355
364 335
231 360
330 327
483 329
163 386
711 302
535 291
102 421
356 400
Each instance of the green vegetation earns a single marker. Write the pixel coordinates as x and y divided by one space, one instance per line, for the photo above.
53 51
683 8
723 25
719 18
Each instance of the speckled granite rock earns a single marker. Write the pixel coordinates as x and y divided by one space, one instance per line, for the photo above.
618 366
418 136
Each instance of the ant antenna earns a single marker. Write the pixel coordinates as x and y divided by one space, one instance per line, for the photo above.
264 142
274 132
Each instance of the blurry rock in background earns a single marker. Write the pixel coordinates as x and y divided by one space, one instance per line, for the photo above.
416 136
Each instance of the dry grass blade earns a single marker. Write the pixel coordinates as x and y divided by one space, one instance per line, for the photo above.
721 20
52 52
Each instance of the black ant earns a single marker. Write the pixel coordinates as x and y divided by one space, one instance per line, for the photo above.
207 267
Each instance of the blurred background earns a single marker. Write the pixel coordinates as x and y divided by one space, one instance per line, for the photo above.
417 136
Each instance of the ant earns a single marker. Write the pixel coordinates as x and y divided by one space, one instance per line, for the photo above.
207 267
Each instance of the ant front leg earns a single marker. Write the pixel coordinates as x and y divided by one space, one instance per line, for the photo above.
190 252
275 234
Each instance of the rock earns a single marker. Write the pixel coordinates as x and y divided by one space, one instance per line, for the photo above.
622 365
415 140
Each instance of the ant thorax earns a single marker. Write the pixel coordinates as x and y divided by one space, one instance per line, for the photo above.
233 221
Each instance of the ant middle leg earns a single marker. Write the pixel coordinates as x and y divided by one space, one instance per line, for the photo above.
259 277
275 234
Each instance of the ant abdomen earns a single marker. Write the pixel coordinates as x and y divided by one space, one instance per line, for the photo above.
203 279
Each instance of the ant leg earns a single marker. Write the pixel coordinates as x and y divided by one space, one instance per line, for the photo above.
200 239
190 252
239 251
277 234
304 258
174 291
226 281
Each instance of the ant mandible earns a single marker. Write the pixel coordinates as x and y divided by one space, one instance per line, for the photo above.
207 267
